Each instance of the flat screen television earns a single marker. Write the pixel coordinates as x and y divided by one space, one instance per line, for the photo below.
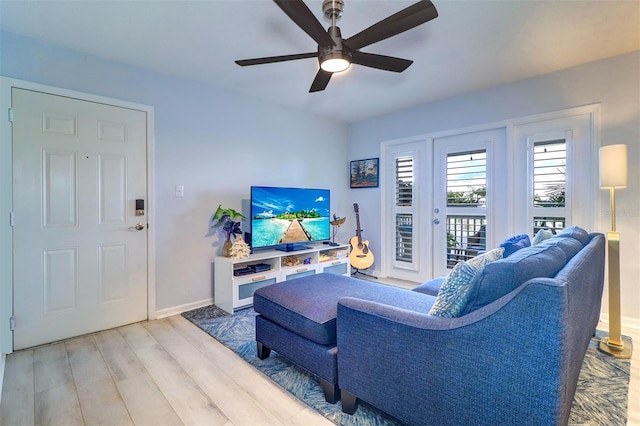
288 218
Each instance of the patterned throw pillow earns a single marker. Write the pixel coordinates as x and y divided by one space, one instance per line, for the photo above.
542 235
456 288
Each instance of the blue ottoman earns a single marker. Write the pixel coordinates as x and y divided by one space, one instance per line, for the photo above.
297 319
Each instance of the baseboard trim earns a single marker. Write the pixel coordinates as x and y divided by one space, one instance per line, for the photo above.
627 322
3 365
175 310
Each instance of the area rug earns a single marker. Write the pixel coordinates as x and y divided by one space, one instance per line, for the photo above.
601 396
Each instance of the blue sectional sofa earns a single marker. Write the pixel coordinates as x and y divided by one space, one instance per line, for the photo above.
501 340
512 356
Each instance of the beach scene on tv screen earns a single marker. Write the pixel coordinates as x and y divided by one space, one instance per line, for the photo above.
289 215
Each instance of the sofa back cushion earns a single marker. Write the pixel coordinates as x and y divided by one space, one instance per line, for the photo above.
576 233
503 276
569 246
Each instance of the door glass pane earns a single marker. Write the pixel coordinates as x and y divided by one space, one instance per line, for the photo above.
404 209
466 238
467 179
549 173
404 237
555 224
466 192
404 181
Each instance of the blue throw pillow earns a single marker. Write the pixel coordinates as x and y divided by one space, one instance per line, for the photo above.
515 243
456 288
542 235
431 287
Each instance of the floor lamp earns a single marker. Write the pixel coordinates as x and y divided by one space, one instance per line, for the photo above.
613 174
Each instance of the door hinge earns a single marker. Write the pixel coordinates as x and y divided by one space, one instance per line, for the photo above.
11 221
10 115
12 323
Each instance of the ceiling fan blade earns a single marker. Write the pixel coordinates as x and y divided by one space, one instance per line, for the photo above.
382 62
272 59
408 18
321 81
299 13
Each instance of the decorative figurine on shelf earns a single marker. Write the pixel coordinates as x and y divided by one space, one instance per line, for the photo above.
239 249
229 220
336 222
291 260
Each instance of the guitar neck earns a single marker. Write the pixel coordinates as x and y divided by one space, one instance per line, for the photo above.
358 230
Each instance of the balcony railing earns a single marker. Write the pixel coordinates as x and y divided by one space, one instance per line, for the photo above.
466 238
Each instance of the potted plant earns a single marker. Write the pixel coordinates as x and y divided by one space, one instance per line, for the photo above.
229 220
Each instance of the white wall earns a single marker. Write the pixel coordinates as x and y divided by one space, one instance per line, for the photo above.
215 143
613 82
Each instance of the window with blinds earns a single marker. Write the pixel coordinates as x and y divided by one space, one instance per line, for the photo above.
549 173
549 185
404 211
404 237
467 179
466 190
555 224
404 181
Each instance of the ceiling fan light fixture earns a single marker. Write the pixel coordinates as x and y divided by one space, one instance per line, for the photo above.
336 54
335 63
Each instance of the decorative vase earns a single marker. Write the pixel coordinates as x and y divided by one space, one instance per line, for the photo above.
226 247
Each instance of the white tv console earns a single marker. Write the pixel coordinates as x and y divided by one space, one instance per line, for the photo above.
233 291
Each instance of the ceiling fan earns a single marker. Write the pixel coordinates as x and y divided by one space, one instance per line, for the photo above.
336 54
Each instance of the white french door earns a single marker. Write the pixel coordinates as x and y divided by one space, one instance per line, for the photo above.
80 263
449 196
464 196
406 250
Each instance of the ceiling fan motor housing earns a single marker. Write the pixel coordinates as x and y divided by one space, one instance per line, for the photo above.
332 9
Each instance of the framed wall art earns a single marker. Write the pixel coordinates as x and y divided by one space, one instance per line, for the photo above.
364 173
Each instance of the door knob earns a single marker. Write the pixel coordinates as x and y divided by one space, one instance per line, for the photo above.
436 221
138 227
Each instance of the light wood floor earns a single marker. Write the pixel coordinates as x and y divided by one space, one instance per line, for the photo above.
163 372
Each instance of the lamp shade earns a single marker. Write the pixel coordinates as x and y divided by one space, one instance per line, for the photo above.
613 166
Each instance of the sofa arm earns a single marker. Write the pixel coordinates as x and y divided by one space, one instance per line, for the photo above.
482 368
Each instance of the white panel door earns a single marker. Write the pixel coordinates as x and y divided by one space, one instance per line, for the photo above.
80 264
466 196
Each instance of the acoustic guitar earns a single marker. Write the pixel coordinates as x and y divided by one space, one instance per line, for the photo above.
361 257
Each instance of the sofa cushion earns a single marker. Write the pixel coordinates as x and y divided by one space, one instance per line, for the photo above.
575 232
540 236
515 243
501 277
431 287
456 287
308 306
569 246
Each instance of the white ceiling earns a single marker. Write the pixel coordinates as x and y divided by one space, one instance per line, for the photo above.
472 45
